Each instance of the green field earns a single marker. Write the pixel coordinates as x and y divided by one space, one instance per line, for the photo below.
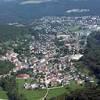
40 93
30 94
64 90
74 28
56 92
3 94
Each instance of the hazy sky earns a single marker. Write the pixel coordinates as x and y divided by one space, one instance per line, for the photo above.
35 1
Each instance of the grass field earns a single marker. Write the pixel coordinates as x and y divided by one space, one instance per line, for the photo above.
74 29
30 94
56 92
40 93
3 94
64 90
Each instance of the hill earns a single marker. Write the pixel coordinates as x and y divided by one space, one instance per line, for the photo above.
8 32
92 53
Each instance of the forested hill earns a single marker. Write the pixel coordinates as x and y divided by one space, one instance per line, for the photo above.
92 53
86 94
8 32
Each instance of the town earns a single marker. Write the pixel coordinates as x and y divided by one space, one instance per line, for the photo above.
49 57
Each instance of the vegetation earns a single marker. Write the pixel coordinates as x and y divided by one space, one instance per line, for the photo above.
92 53
86 94
30 94
9 85
3 94
5 67
40 93
11 32
60 93
25 71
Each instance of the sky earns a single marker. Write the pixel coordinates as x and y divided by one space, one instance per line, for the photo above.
36 1
27 10
29 1
24 2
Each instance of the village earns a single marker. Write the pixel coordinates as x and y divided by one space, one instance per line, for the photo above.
51 60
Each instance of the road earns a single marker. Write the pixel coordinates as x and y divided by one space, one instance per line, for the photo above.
45 96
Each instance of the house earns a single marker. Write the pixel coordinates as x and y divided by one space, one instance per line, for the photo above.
76 57
34 86
26 85
80 81
23 76
31 86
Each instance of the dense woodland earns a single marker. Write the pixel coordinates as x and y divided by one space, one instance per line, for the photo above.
8 32
5 67
92 93
92 53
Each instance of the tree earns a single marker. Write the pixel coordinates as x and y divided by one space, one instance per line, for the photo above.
92 53
5 67
9 85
